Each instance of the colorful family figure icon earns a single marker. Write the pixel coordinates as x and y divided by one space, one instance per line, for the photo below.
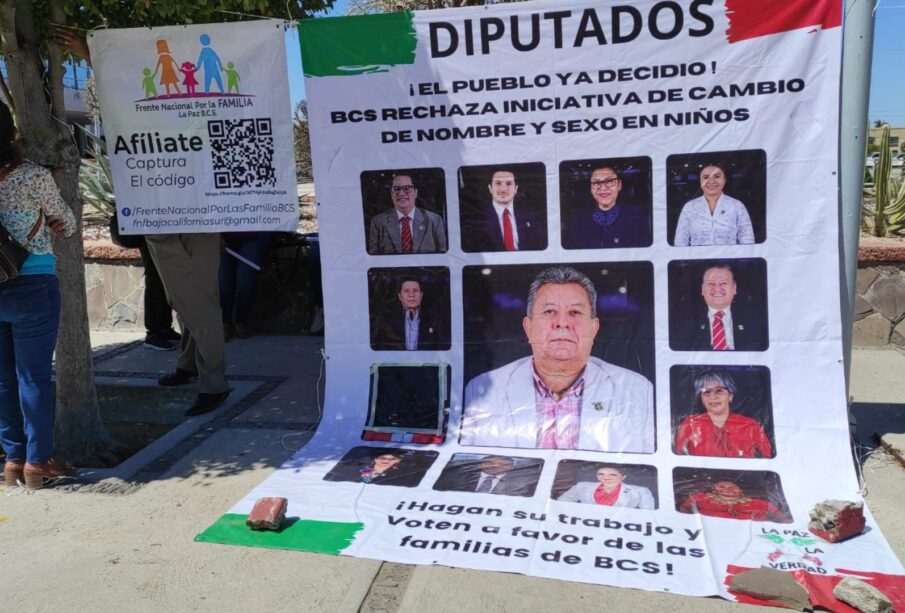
208 63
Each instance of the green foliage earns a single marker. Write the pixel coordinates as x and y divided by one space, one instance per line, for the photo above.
96 179
89 14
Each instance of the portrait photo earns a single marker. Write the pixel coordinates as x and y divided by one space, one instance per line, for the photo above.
716 198
503 475
718 305
722 411
754 495
408 403
503 207
606 203
559 356
382 466
409 308
630 486
404 211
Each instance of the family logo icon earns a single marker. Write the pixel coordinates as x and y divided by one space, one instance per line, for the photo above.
202 78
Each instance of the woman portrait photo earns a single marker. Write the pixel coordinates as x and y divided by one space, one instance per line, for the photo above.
727 499
610 489
716 198
382 466
718 431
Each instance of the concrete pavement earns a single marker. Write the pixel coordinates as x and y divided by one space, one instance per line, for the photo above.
131 548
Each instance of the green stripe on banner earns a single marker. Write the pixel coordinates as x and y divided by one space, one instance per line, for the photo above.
300 534
357 45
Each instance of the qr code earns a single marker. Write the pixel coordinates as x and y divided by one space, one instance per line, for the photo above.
242 152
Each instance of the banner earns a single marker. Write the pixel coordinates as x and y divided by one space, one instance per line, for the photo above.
198 127
582 294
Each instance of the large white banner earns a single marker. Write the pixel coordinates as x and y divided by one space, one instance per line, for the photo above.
198 127
582 294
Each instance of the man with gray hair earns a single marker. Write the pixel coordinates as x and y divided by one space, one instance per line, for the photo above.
560 397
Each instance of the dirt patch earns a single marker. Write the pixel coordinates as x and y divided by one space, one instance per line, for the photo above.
135 416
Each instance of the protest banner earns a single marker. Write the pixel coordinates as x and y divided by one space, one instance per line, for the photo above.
198 127
615 228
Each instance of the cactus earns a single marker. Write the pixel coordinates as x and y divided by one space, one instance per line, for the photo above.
888 215
96 179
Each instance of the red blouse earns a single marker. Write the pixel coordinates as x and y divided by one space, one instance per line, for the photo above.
745 508
739 437
601 497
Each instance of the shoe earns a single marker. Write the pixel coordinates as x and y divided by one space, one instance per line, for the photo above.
12 472
37 475
171 335
158 342
205 403
228 332
180 377
243 331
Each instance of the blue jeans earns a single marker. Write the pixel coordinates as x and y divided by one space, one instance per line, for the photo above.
237 279
29 321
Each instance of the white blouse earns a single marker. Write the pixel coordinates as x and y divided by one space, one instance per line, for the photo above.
730 223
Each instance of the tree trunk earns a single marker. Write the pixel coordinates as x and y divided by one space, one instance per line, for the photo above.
47 140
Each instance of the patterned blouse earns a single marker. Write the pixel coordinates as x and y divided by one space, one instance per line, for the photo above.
26 191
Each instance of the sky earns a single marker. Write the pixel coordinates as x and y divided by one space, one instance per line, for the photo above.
887 81
294 55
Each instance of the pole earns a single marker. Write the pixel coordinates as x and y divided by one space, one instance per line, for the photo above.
857 47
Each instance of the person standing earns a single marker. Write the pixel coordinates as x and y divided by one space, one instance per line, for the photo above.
33 212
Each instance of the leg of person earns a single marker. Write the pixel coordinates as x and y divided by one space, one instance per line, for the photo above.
12 430
227 277
34 303
172 262
189 265
158 314
254 248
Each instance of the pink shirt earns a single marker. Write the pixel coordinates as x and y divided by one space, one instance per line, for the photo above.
558 421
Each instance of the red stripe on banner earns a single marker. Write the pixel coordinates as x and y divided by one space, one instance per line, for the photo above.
753 18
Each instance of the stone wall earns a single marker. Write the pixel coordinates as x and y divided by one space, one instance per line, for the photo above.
879 313
115 282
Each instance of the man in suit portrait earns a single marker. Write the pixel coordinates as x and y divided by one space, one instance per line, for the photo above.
409 327
503 224
610 223
719 326
560 397
406 228
493 474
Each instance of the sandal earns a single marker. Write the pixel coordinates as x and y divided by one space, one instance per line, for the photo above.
37 475
12 472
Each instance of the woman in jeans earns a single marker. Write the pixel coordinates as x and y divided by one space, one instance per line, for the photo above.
33 212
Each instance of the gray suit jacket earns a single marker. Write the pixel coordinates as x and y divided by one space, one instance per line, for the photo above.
428 233
630 496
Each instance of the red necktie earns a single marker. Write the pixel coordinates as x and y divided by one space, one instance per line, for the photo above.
508 238
718 334
406 234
